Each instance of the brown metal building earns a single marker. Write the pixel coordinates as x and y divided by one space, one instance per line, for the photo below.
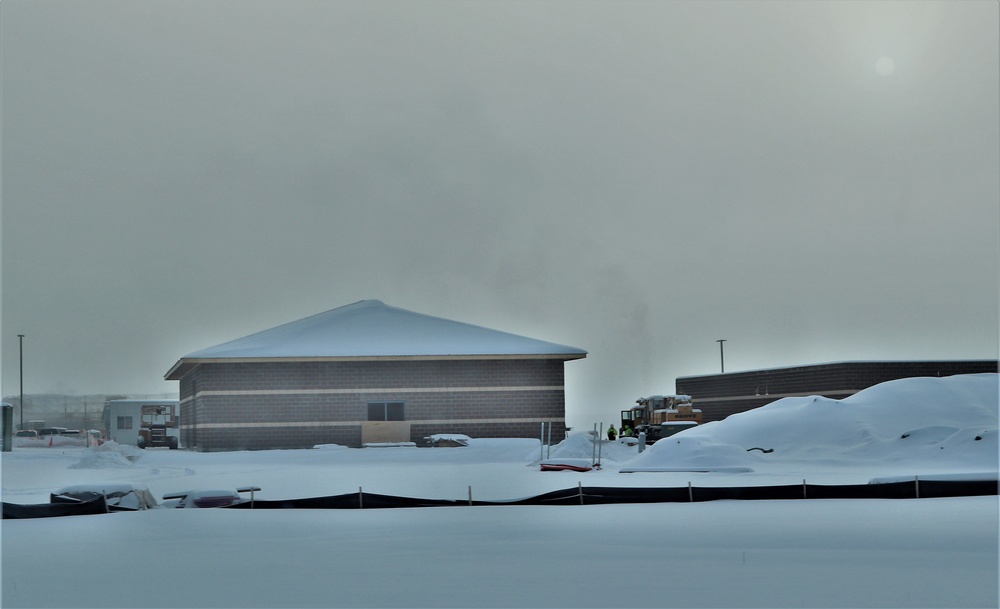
720 395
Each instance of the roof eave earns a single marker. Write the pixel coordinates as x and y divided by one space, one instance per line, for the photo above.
185 365
180 369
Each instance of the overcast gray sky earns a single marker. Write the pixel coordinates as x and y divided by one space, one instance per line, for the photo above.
813 182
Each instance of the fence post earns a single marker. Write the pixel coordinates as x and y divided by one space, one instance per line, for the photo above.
470 494
593 447
916 484
690 492
248 489
804 489
8 428
600 443
361 499
579 490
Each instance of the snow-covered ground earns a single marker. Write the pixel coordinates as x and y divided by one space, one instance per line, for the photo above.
816 553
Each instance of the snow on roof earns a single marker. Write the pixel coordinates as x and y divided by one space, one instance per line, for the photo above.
370 328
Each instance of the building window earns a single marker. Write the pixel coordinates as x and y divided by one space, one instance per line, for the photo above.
385 411
124 422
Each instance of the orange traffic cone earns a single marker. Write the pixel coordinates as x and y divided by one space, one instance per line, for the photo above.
50 440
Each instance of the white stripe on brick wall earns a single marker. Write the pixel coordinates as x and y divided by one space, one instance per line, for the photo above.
383 390
356 423
776 396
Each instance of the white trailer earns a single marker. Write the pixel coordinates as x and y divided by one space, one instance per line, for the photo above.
123 418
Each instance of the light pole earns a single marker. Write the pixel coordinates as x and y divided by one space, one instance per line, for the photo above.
722 357
20 366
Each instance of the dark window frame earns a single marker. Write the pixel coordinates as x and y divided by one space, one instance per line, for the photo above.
387 410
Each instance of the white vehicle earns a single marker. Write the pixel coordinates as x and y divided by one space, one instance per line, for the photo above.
128 422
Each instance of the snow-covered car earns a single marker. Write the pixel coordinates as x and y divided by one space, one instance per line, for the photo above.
121 497
202 499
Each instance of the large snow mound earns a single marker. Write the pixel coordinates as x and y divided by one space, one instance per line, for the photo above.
109 455
581 445
951 421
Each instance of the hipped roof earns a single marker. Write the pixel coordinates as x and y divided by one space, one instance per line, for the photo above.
370 329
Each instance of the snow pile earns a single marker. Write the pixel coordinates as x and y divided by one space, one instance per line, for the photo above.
580 445
448 439
884 549
951 422
691 454
456 437
109 455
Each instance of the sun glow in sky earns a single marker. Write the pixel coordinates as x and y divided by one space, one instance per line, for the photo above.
885 66
813 182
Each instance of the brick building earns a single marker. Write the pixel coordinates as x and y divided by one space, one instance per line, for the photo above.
368 372
720 395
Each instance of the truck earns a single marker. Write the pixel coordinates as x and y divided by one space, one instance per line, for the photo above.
155 420
660 416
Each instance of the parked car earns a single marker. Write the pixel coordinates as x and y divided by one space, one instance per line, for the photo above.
26 433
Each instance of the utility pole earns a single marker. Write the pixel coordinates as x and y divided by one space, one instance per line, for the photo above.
722 357
20 354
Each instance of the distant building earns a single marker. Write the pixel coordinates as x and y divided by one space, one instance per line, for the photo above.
720 395
123 418
367 373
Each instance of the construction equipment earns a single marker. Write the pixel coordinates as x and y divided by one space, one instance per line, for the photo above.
154 422
660 416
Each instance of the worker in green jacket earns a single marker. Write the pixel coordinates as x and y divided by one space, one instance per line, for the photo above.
612 433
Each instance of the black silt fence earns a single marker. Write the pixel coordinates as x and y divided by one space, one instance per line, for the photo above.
97 505
581 495
602 495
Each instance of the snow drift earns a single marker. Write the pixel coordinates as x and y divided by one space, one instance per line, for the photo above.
946 422
937 552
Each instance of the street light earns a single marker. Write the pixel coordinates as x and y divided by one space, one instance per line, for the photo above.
20 355
722 357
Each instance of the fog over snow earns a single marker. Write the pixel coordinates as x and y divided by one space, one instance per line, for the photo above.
815 553
811 181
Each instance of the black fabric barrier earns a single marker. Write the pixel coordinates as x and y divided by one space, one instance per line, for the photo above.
347 501
580 495
959 488
97 505
598 495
